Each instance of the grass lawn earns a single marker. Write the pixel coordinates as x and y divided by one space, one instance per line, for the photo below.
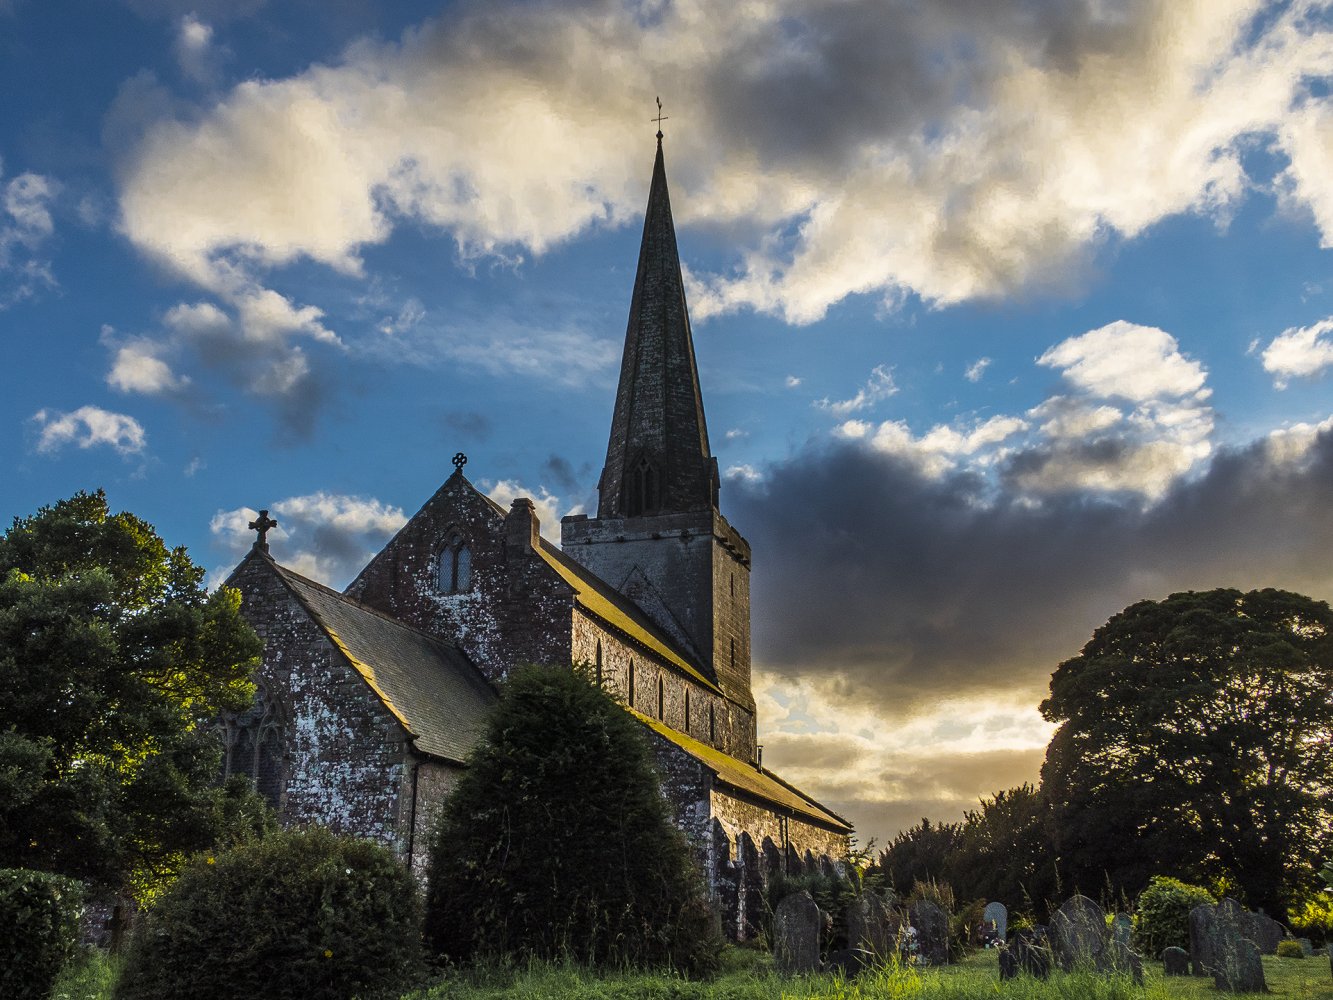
749 975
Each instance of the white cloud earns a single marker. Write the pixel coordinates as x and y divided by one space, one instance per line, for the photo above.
88 427
791 382
328 537
998 151
939 450
1290 447
1125 360
1299 352
549 507
977 369
745 473
879 386
195 52
137 368
25 226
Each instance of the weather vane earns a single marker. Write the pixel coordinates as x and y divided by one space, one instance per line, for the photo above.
261 524
659 119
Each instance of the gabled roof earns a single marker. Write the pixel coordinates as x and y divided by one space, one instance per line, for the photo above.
430 686
595 596
749 779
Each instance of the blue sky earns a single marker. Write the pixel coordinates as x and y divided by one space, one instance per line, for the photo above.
1007 315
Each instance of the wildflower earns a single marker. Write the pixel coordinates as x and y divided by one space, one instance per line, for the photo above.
328 953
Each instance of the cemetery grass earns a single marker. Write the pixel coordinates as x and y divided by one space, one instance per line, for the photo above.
749 975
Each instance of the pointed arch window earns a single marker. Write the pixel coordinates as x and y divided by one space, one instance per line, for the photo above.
631 683
642 488
687 709
598 663
252 746
712 725
661 699
454 568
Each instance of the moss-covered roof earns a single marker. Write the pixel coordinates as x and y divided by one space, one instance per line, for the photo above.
599 599
748 778
430 686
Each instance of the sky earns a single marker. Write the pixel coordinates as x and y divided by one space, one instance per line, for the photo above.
1008 313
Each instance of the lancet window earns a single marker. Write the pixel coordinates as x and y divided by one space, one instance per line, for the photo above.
642 489
252 746
454 568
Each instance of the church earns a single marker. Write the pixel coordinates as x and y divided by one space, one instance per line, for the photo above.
369 700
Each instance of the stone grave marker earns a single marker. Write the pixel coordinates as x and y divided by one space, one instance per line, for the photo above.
1078 934
1202 920
1219 947
1307 947
1264 931
1240 967
1122 928
1176 961
997 915
872 927
932 930
1028 951
796 925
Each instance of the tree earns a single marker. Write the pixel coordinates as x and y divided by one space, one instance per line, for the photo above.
1196 739
114 659
1002 851
558 843
922 853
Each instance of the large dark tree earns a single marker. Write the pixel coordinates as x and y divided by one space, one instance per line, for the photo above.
1003 852
1196 740
922 853
558 843
113 661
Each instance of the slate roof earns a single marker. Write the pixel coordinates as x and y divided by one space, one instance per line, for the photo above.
430 686
748 778
599 599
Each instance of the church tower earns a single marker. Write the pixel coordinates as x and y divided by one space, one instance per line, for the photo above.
658 536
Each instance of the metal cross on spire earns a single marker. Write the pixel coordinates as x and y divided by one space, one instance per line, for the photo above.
262 524
659 119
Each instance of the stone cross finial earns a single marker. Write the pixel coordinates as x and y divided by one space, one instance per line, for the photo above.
460 460
261 524
659 119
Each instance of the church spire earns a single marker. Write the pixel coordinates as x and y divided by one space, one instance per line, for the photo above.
658 461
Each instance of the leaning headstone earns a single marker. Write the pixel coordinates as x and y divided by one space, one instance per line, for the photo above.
1078 934
1119 957
871 926
1240 968
1176 961
1307 947
932 930
796 924
1122 928
997 915
1027 951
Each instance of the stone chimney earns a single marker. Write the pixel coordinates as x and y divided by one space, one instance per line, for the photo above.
522 528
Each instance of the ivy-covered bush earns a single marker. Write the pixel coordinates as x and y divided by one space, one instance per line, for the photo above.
558 844
1162 917
1289 948
39 927
304 915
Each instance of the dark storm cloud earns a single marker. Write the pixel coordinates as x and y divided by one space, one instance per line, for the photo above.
904 591
562 475
468 423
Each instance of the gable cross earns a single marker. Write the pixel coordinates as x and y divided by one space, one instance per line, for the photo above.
261 524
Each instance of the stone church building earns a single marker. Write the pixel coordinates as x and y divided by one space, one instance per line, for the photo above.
369 700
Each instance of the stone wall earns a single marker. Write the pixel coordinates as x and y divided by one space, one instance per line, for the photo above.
343 753
434 782
790 835
515 610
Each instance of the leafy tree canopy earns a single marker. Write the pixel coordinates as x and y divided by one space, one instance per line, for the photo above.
113 660
558 843
1196 738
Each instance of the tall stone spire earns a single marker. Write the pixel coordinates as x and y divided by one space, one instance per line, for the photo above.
658 460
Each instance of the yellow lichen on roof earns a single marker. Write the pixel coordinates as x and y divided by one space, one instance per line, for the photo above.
743 776
368 672
604 608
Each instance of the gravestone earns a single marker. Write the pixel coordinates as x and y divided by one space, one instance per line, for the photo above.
1264 931
1028 951
849 962
871 926
1119 957
1307 947
796 925
1202 919
1176 961
1122 928
997 915
1240 967
932 932
1078 934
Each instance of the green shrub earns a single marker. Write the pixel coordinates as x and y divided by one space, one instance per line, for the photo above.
305 915
39 927
1163 914
1288 948
1312 918
557 842
831 893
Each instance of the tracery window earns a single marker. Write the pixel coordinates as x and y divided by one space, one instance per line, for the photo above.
641 489
252 746
454 568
